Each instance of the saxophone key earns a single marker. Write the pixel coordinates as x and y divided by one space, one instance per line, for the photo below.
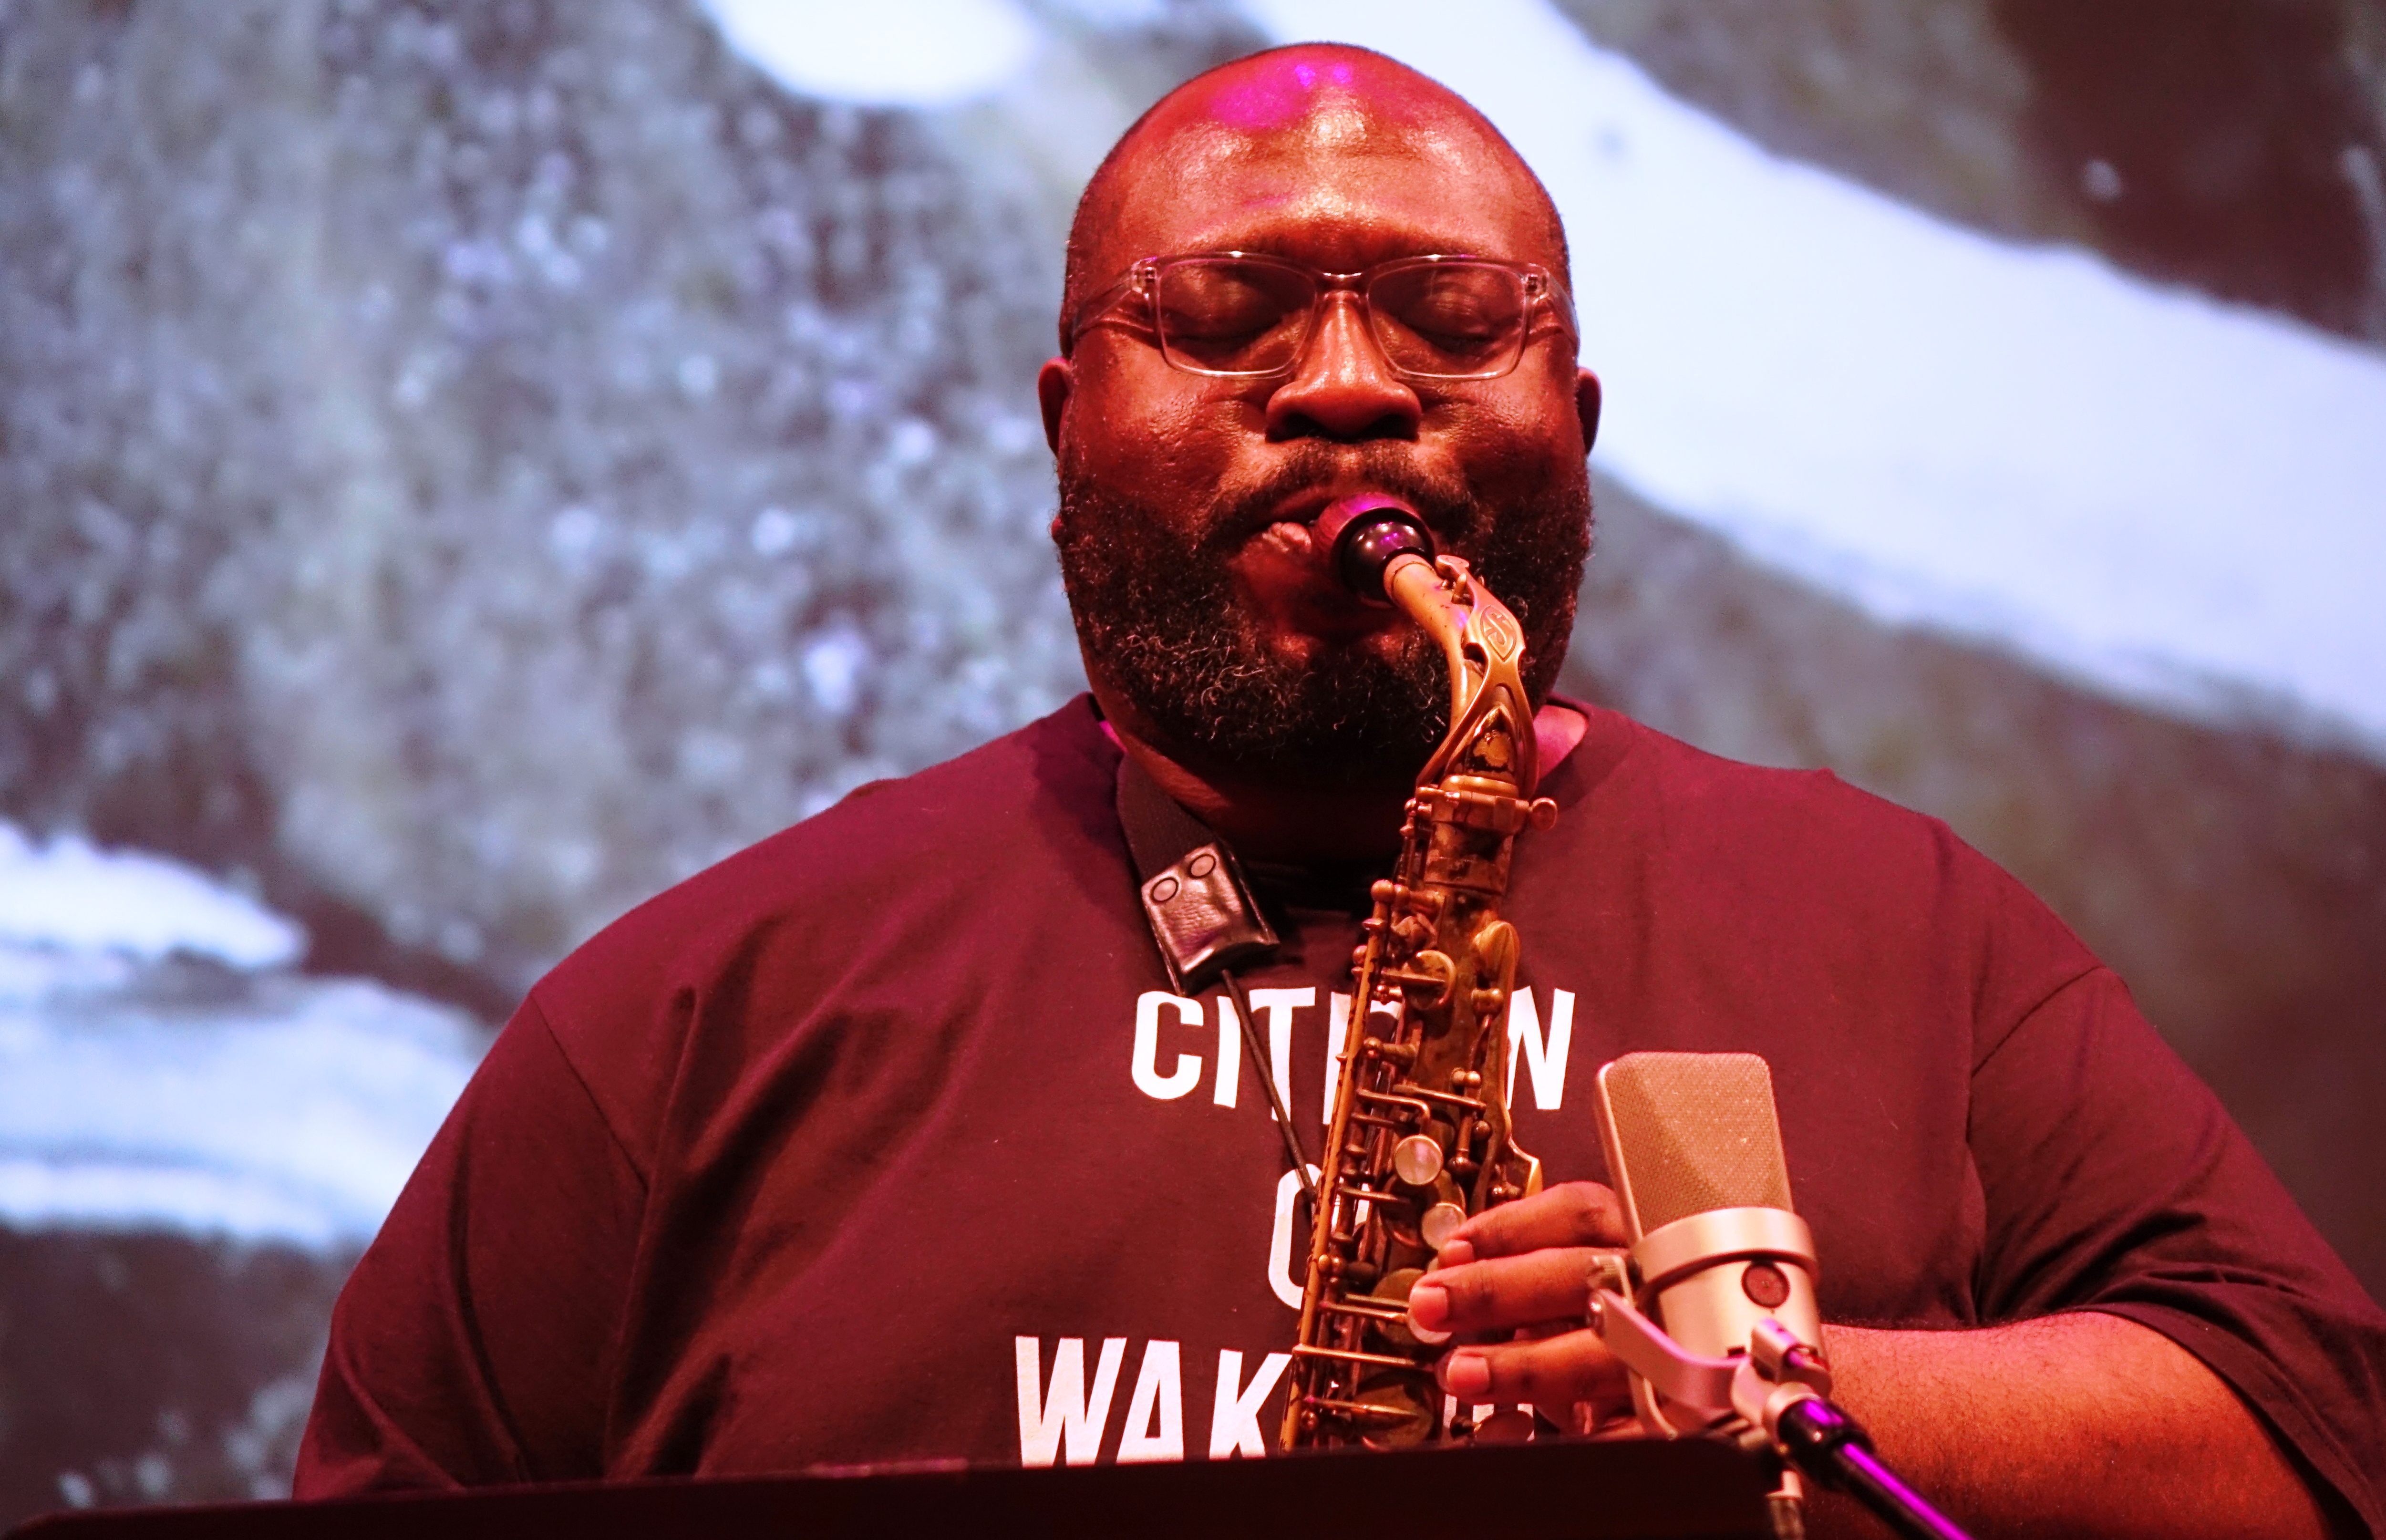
1417 1159
1439 1223
1401 1414
1394 1290
1508 1425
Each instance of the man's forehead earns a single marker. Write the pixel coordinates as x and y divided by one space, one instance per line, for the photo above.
1291 88
1356 148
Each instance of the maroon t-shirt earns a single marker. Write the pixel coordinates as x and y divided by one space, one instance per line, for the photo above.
885 1140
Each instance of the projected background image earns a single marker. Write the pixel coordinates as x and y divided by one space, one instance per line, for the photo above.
466 466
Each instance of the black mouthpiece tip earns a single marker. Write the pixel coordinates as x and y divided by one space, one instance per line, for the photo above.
1361 536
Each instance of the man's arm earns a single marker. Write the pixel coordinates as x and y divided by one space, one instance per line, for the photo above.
473 1343
2081 1423
2076 1423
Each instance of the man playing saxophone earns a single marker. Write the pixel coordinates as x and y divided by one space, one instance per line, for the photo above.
894 1137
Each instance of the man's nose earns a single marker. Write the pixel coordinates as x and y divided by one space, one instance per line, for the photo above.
1343 386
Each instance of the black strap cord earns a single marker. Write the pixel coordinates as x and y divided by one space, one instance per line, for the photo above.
1203 917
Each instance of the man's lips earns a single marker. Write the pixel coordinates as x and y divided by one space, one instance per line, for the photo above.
1291 588
1307 506
1277 558
1295 537
1302 507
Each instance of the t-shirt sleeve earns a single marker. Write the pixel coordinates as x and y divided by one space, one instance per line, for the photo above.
2114 1180
474 1342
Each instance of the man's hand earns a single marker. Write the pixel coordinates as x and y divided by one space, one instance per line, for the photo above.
1514 1284
2079 1424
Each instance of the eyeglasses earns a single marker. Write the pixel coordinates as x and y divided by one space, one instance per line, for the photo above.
1241 316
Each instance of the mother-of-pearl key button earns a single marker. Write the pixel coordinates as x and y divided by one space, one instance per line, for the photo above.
1417 1159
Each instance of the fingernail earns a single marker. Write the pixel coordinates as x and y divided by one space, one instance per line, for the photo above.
1464 1374
1436 1306
1457 1251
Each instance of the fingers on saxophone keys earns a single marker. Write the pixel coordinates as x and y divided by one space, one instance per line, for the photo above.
1570 1369
1503 1294
1573 1213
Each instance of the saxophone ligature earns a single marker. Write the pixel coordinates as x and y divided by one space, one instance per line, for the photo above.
1420 1137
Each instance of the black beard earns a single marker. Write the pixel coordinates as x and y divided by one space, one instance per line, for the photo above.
1156 616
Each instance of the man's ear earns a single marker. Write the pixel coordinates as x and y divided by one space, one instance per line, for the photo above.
1054 382
1586 406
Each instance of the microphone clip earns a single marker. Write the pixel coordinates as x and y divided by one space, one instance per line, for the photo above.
1746 1392
1774 1398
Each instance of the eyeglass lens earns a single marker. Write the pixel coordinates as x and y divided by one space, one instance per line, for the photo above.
1439 319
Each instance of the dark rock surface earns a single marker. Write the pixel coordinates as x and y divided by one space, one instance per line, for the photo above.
1923 99
2235 147
146 1369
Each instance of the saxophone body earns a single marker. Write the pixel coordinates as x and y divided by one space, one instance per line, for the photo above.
1420 1138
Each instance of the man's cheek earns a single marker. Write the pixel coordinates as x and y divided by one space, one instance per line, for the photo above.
1162 428
1509 432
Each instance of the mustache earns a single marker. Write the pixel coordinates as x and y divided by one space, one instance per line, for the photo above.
1455 514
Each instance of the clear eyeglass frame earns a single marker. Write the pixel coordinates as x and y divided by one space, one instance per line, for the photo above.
1142 282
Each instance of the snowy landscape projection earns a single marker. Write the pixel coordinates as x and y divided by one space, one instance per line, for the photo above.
464 467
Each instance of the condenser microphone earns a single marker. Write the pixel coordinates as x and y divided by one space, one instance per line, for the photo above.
1720 1328
1694 1153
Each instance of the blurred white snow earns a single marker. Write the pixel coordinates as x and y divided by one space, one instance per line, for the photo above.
66 895
887 53
161 1068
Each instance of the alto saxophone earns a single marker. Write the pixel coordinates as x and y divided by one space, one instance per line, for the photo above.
1420 1138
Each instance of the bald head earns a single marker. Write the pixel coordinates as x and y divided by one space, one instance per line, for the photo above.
1321 116
1215 631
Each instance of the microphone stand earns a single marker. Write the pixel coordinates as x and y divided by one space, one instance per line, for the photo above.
1831 1446
1774 1396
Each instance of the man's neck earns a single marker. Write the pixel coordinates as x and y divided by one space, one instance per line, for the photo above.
1269 822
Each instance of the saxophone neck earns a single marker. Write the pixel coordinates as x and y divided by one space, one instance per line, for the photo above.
1383 552
1491 716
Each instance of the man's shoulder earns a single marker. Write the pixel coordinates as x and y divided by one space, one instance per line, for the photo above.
1802 834
1841 911
1038 794
1634 765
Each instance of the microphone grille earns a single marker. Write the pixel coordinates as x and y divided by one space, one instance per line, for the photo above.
1688 1132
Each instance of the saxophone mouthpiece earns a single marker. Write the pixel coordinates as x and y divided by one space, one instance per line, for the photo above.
1362 534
